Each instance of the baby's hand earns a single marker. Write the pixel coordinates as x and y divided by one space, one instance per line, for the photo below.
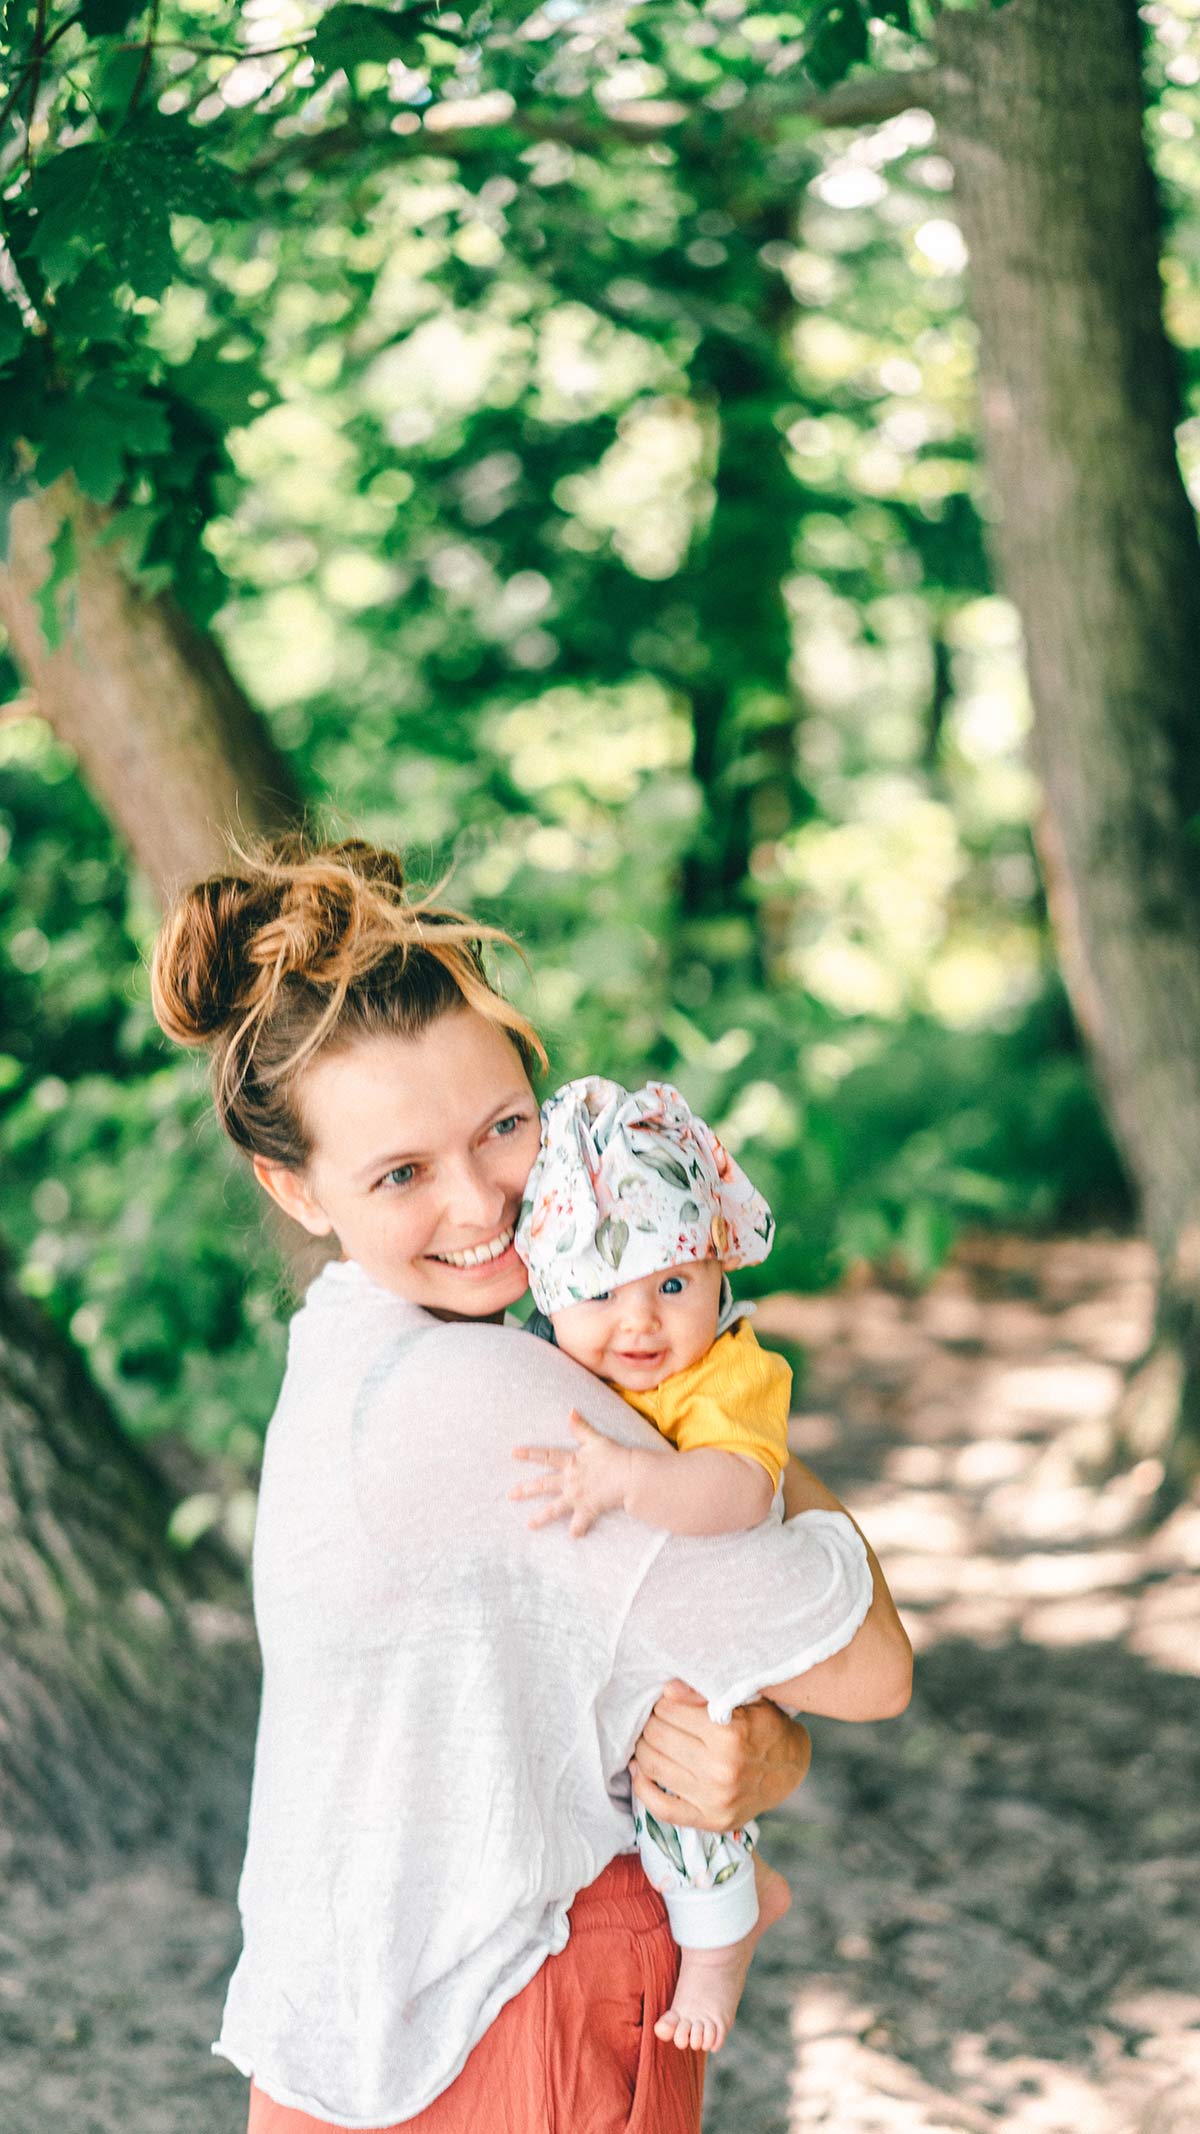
584 1483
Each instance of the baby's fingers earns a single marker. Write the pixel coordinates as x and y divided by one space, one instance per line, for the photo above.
544 1486
551 1513
581 1426
549 1455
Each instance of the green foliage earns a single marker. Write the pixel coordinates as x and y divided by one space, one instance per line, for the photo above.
595 513
349 36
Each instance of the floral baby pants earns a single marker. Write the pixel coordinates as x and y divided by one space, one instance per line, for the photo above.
705 1878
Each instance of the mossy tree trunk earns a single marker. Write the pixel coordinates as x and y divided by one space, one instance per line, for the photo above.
1095 540
740 690
127 1672
166 738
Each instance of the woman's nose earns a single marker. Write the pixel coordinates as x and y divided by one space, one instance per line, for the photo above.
474 1200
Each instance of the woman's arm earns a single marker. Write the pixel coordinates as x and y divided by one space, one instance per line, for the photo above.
719 1776
871 1677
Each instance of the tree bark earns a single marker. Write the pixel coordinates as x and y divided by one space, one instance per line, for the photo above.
127 1672
1095 540
166 738
739 684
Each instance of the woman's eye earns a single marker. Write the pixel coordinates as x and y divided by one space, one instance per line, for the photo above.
508 1126
403 1175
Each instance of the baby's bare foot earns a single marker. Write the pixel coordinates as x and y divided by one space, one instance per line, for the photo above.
711 1981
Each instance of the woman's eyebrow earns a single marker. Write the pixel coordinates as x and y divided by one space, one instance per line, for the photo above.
393 1162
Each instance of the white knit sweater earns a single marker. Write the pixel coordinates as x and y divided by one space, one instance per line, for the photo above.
450 1699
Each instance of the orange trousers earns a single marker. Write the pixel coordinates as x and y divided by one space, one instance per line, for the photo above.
574 2052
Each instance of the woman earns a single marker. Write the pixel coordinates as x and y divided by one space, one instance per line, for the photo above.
444 1922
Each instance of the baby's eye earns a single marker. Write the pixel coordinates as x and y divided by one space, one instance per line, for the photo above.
603 1297
673 1285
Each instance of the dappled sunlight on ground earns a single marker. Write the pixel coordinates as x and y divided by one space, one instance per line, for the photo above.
996 1915
973 1422
997 1898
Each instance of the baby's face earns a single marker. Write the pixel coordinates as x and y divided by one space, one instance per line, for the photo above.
646 1330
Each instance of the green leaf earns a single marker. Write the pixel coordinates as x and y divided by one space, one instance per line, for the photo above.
94 433
115 198
107 18
350 35
838 40
12 332
612 1236
86 310
926 1235
665 1166
232 393
16 20
54 611
667 1839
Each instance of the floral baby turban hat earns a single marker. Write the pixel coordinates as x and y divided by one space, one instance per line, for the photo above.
627 1182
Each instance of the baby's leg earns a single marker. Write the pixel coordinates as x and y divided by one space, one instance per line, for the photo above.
720 1899
709 1988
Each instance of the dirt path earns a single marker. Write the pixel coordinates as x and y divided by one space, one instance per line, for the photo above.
997 1898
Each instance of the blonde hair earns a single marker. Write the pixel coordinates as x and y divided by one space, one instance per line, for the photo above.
304 949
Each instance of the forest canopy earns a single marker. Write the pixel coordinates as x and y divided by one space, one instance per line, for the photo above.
566 422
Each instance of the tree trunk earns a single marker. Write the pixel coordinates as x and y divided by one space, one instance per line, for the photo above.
127 1672
166 738
1096 542
742 698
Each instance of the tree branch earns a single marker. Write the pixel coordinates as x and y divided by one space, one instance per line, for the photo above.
865 100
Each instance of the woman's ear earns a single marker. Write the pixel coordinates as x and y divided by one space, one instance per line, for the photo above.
290 1192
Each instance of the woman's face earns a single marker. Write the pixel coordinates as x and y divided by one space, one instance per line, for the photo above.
421 1148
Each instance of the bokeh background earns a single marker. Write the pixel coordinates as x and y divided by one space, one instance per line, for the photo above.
565 440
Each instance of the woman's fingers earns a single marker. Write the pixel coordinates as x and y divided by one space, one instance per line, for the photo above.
661 1770
663 1750
668 1807
678 1692
670 1718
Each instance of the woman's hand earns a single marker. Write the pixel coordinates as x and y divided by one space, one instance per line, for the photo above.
586 1480
716 1777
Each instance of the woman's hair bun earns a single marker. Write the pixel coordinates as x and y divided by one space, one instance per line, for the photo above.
267 965
199 974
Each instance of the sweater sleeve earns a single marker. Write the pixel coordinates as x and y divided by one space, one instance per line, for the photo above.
732 1613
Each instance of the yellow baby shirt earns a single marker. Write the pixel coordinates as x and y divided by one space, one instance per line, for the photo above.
734 1399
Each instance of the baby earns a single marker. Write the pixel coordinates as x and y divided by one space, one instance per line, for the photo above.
632 1213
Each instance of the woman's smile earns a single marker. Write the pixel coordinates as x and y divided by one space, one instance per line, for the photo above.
477 1259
